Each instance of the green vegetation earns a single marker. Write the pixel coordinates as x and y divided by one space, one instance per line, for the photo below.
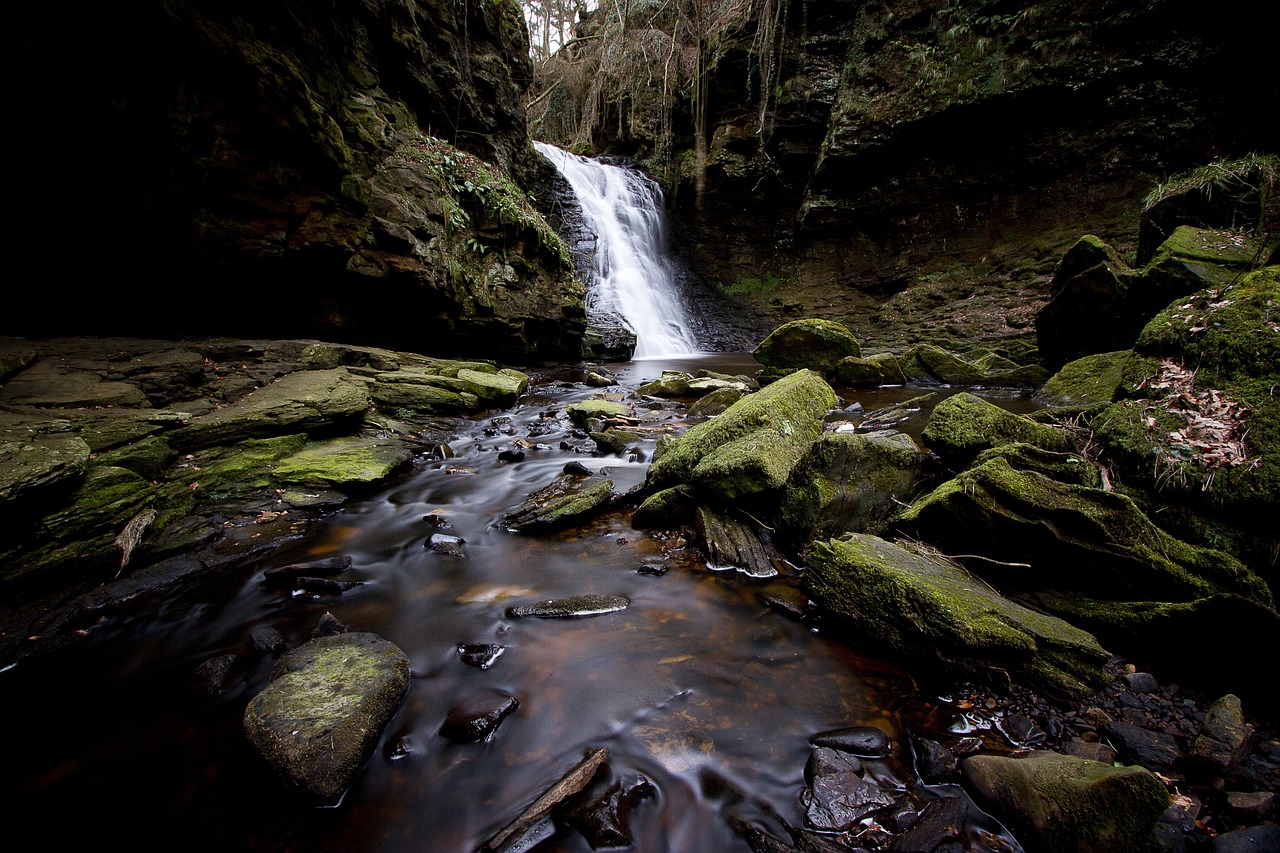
1255 172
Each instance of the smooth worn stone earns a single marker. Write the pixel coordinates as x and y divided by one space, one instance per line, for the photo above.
327 703
328 586
1153 750
935 763
1060 803
446 545
1256 839
576 605
1141 682
477 717
480 655
600 380
838 797
1223 741
1251 806
862 741
604 820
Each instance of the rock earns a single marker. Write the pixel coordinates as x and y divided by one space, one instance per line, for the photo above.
328 586
1095 751
306 400
942 827
327 703
283 577
856 372
478 716
492 387
862 741
927 608
511 456
1091 379
962 426
421 390
1251 806
575 605
480 655
564 503
580 413
210 677
600 380
1256 839
48 385
1233 204
665 509
511 836
752 447
815 344
1153 750
31 464
670 384
576 469
929 363
732 543
715 403
267 640
849 483
1141 682
344 462
838 797
1224 739
1061 803
329 626
446 545
615 441
1063 467
603 820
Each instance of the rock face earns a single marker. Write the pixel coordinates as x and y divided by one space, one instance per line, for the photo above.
327 703
285 156
1063 803
929 609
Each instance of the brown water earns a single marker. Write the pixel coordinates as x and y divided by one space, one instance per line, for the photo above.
697 686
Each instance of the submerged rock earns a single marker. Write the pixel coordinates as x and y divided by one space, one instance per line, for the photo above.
862 741
1061 803
327 703
928 608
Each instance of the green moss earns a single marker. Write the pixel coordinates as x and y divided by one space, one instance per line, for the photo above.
963 425
811 343
238 470
580 413
343 462
1092 379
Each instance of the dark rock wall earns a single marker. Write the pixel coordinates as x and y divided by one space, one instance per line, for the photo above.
190 166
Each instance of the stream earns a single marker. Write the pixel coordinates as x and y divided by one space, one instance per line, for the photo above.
698 686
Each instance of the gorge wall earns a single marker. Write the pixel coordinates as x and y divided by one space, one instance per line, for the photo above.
238 168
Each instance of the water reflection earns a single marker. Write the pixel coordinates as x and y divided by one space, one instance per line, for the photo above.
696 686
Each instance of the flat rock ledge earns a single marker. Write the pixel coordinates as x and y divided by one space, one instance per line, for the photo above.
328 701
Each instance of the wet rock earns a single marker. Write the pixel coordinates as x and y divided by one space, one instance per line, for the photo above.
1252 840
437 521
1020 731
577 469
512 836
478 716
347 462
33 464
940 828
1224 738
324 709
1141 682
580 413
930 363
1062 803
480 655
655 569
446 545
1153 750
267 640
1251 806
963 425
284 577
810 343
576 605
210 677
670 384
511 456
922 606
838 797
665 509
615 441
600 380
329 626
785 599
327 586
1093 751
752 447
935 763
564 503
604 819
862 741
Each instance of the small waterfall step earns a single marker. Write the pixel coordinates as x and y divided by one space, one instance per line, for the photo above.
631 275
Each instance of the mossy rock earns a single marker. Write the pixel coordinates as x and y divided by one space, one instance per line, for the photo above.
564 503
33 464
1047 534
580 413
963 425
148 458
929 363
811 343
670 384
664 510
494 389
928 609
855 372
319 719
1063 467
1061 803
849 482
237 470
615 441
1092 379
422 391
715 403
752 447
343 463
1088 310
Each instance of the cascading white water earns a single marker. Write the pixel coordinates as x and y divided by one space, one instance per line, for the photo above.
631 277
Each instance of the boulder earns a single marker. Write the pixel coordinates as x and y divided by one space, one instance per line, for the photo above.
1088 309
670 384
925 607
752 447
1063 804
815 344
564 503
417 390
838 796
1055 535
1088 380
929 363
849 482
1225 738
344 462
962 426
580 413
321 715
715 403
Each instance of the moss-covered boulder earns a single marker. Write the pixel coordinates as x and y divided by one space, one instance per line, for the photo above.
1064 467
857 372
927 608
667 508
672 383
326 706
849 482
347 462
930 363
811 343
1047 534
421 391
1092 379
964 425
564 503
615 441
494 387
1063 804
580 413
715 403
306 400
752 447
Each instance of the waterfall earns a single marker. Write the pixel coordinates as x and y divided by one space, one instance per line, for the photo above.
631 277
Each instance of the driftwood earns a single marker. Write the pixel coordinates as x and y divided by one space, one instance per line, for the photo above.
571 783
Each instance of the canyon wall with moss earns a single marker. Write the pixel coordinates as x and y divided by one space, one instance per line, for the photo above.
350 170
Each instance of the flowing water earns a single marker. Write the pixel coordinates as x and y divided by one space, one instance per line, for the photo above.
631 275
697 686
